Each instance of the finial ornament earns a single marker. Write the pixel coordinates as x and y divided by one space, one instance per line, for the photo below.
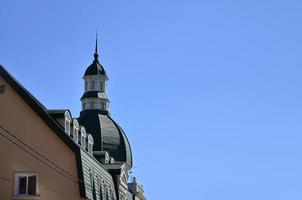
96 55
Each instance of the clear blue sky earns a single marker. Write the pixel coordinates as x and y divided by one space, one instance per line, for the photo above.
209 92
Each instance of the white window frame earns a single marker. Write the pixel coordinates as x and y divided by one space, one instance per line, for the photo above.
90 144
16 184
67 122
75 130
83 137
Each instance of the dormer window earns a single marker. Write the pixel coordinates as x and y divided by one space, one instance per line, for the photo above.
82 137
67 122
75 131
90 144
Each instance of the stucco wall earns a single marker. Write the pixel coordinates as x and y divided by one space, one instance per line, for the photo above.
17 117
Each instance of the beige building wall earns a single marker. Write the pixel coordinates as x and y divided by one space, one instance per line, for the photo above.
17 117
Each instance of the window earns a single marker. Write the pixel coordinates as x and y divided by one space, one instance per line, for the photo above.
107 193
67 122
92 85
101 85
102 106
26 184
92 105
82 138
122 197
86 85
90 144
75 130
84 106
92 184
112 193
100 182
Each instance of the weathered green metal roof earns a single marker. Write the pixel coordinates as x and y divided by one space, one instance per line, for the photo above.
95 69
90 165
107 134
94 94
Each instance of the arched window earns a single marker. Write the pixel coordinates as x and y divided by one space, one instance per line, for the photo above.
75 131
92 85
82 137
67 122
90 144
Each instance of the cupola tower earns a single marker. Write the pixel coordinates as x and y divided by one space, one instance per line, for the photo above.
95 80
108 136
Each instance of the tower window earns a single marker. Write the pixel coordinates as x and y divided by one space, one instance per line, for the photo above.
92 105
92 85
86 85
84 106
101 85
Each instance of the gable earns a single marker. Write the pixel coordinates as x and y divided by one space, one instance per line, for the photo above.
14 95
20 120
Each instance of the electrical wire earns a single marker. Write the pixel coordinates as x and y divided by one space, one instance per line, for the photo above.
37 152
75 180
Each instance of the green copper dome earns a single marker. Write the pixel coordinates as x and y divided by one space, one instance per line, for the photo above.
95 69
107 134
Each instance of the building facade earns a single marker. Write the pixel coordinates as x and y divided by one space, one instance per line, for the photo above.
49 154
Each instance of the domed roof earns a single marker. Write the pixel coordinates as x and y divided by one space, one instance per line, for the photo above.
107 134
95 69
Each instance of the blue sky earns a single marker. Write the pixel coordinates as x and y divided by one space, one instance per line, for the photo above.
208 92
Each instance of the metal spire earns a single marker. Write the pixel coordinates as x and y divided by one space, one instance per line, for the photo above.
96 55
